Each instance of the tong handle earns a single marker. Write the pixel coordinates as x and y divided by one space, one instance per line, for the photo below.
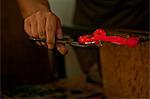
63 40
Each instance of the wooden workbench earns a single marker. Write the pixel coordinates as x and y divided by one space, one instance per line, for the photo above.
125 71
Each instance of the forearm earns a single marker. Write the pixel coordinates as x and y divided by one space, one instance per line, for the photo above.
28 7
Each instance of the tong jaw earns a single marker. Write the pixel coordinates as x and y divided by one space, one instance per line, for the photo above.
87 44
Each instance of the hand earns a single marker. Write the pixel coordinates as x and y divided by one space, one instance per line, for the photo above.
44 24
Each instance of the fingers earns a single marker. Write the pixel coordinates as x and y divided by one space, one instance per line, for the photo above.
41 20
27 27
45 26
34 28
50 30
59 34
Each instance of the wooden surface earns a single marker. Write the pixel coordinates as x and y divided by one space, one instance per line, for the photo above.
61 89
125 70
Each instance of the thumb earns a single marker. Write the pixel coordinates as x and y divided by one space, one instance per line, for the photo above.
59 34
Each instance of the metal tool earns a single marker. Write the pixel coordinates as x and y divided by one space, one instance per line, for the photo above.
143 36
65 40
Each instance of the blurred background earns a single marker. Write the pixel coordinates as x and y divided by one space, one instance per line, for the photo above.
115 67
64 9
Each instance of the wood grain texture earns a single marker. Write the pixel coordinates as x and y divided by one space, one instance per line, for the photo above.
125 70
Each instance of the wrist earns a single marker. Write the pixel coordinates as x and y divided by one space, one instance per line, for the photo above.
30 11
29 7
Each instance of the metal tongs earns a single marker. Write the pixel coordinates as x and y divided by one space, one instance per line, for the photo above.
142 36
65 40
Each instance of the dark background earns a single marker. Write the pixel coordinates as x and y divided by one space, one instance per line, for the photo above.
22 62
